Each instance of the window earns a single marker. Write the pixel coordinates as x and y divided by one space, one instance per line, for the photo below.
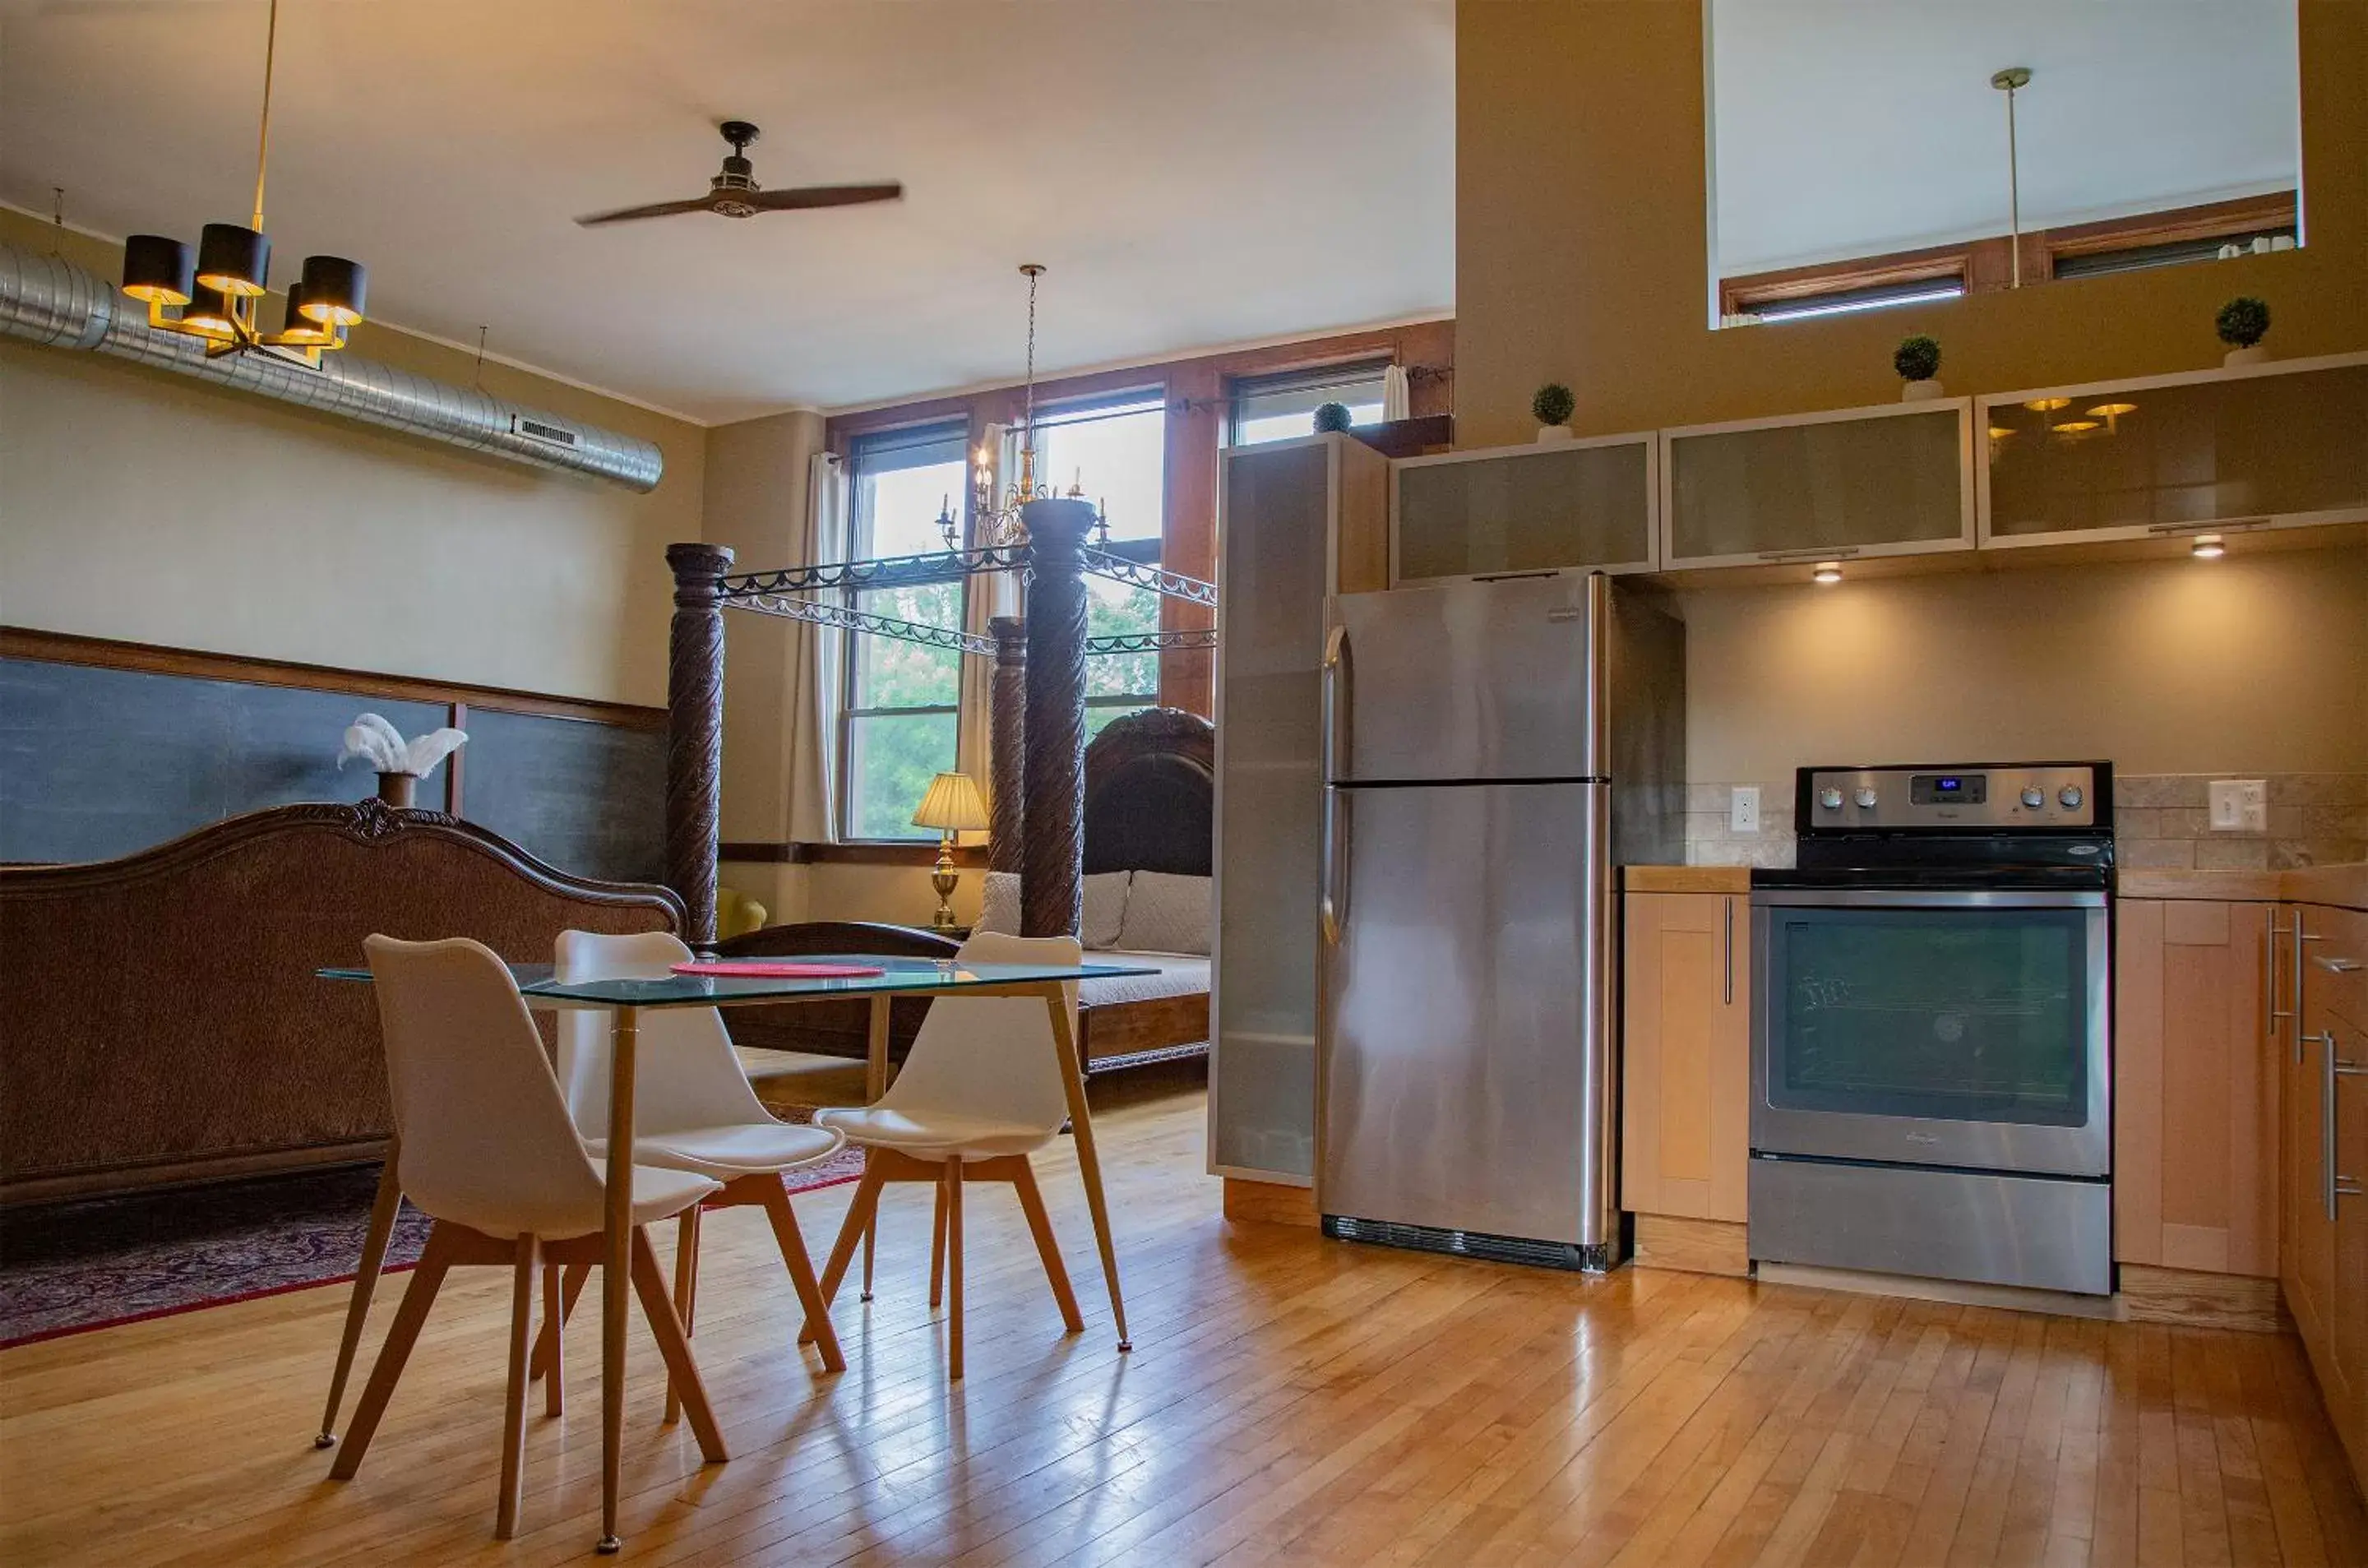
1276 408
898 700
1117 449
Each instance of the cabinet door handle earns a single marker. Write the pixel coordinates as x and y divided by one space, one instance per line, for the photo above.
2270 968
1726 947
2300 937
2337 966
2332 1068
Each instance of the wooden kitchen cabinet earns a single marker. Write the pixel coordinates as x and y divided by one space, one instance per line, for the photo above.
2196 1087
2324 1257
1686 1099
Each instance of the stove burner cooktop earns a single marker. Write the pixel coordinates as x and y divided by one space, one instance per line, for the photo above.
1951 826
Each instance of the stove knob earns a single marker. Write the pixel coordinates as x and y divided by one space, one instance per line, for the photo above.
2071 797
1865 797
2034 797
1830 797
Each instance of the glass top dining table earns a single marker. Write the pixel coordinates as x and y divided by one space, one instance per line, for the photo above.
626 999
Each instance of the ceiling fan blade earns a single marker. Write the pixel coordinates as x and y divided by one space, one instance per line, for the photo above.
656 210
821 196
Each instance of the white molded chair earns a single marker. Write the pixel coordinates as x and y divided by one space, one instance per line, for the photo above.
980 1091
693 1110
487 1151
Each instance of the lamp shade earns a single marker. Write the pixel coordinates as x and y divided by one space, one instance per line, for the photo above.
952 804
156 269
233 260
299 326
334 289
207 314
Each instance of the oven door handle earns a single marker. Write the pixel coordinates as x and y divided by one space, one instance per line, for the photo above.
1926 898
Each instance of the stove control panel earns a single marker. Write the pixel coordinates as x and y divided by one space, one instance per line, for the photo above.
2012 798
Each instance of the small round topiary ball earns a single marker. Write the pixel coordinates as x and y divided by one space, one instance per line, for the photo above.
1331 418
1916 359
1553 404
2242 322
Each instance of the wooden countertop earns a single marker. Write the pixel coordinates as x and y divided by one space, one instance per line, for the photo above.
1685 879
2345 887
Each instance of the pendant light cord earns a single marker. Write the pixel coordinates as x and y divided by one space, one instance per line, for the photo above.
263 136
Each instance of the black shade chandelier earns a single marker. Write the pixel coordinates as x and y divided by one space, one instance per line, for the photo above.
216 297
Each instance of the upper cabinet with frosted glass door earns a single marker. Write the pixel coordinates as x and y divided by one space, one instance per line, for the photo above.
2207 451
1891 480
1576 504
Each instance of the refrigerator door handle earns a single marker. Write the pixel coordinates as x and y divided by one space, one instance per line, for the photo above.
1334 701
1335 850
1334 901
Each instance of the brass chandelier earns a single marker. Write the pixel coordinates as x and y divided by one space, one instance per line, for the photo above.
218 296
998 521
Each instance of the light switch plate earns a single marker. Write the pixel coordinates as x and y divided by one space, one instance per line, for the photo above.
2240 805
1743 809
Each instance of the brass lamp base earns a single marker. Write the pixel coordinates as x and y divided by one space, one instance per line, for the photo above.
945 879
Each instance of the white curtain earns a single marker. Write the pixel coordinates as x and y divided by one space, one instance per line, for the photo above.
1395 399
991 594
814 817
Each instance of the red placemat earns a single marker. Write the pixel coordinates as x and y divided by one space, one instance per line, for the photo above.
766 968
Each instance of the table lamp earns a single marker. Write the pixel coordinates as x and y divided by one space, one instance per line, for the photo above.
951 805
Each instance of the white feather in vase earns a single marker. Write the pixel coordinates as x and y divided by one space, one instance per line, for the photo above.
381 745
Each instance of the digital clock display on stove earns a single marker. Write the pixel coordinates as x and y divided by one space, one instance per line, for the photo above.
1948 789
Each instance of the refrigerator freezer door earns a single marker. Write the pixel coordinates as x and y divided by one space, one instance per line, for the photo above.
1465 1064
1479 680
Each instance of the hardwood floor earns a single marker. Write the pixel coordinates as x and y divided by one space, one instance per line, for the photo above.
1289 1399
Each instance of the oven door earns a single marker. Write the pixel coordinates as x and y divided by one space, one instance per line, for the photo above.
1961 1028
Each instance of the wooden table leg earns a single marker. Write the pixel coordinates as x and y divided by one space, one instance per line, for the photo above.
374 1241
875 1083
1089 1165
616 1273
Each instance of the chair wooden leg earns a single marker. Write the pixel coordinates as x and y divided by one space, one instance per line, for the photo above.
546 1346
513 1492
650 1286
859 1211
403 1332
374 1240
686 1290
953 1195
793 1242
550 1341
938 1254
1040 1225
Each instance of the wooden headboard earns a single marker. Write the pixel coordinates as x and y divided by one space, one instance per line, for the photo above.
159 1017
1151 794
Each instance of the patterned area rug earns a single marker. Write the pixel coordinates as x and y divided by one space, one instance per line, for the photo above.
71 1267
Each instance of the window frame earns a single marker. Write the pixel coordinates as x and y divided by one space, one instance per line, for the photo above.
1306 378
859 547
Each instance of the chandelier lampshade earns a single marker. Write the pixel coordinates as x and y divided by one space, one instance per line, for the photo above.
233 260
334 289
156 269
219 297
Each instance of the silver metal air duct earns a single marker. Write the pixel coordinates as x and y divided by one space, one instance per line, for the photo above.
49 300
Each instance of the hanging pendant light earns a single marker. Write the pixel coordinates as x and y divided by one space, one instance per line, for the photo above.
1000 522
217 295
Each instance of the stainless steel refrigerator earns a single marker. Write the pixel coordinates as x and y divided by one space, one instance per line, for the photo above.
1492 751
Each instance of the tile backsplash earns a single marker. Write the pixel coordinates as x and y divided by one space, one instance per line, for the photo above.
2161 820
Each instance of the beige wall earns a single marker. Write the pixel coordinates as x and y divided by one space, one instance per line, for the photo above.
1581 243
2255 663
141 506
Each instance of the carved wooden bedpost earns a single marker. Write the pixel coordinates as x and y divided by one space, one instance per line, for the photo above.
1006 726
1053 844
694 787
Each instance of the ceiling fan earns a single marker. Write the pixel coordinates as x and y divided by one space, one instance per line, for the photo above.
734 193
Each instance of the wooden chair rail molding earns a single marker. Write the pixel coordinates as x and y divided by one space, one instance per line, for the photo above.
105 652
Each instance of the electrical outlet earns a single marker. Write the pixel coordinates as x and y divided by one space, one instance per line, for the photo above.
2240 805
1743 809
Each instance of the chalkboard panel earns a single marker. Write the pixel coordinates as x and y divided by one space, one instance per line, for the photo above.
97 763
588 797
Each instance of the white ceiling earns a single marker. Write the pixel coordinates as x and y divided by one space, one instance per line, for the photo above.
1849 128
1193 172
